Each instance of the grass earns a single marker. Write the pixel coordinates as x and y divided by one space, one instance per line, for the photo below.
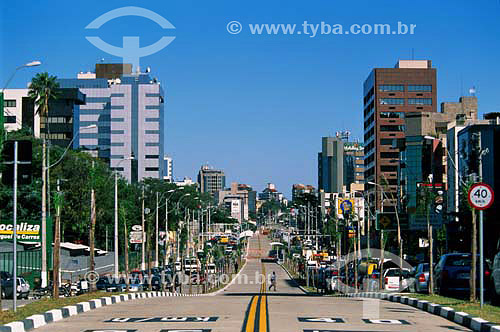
42 305
489 312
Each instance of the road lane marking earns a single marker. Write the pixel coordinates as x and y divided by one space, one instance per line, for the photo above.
250 319
320 320
387 321
263 314
257 318
162 319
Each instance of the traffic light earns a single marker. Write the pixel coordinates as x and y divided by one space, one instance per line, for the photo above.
24 156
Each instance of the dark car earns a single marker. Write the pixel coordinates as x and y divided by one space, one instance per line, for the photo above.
452 273
102 283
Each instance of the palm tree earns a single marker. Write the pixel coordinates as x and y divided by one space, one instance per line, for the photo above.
42 89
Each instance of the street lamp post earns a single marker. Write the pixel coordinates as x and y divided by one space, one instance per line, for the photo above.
29 64
381 235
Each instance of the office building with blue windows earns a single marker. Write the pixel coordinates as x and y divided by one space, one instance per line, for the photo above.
128 111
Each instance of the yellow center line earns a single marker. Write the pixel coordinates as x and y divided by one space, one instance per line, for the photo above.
260 302
263 314
251 315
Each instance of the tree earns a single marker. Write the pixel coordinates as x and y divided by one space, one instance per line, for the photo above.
42 89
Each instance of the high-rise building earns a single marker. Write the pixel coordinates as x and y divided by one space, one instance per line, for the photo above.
471 139
58 125
211 180
331 165
354 164
299 190
168 169
389 93
128 110
13 108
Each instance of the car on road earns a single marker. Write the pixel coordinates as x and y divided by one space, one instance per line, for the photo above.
22 288
392 276
419 278
452 273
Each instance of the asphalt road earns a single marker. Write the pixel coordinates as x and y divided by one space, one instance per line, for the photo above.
248 305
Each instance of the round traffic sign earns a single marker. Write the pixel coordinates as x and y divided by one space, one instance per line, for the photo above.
481 196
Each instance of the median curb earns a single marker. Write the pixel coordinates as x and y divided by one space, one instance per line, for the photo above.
54 315
461 318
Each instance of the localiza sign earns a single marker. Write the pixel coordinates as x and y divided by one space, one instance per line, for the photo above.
27 231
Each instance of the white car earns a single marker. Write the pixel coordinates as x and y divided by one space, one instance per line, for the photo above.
391 277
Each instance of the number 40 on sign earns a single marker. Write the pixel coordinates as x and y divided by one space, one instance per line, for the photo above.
480 196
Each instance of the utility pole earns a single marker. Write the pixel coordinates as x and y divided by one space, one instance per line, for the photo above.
14 231
57 244
382 246
143 246
126 251
44 215
92 229
431 254
116 228
156 233
166 233
481 231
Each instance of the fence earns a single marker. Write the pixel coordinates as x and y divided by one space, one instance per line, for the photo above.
29 264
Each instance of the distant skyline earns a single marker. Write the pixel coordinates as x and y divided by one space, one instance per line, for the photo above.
257 106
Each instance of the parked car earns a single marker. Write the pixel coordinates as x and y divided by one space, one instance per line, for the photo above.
102 283
22 291
120 285
495 275
452 273
391 279
419 278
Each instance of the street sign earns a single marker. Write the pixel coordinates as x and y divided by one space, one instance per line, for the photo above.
345 206
388 221
136 237
137 228
481 196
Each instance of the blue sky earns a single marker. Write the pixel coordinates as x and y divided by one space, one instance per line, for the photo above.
257 106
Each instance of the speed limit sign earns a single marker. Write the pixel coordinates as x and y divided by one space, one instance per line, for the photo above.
481 196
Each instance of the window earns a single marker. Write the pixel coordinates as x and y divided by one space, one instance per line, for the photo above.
391 155
386 141
10 119
388 168
392 101
152 156
151 169
391 87
392 128
420 101
392 115
9 103
426 88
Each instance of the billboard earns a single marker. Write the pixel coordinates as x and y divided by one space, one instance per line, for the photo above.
27 231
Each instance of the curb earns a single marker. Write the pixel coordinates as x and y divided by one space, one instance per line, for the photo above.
292 278
461 318
54 315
